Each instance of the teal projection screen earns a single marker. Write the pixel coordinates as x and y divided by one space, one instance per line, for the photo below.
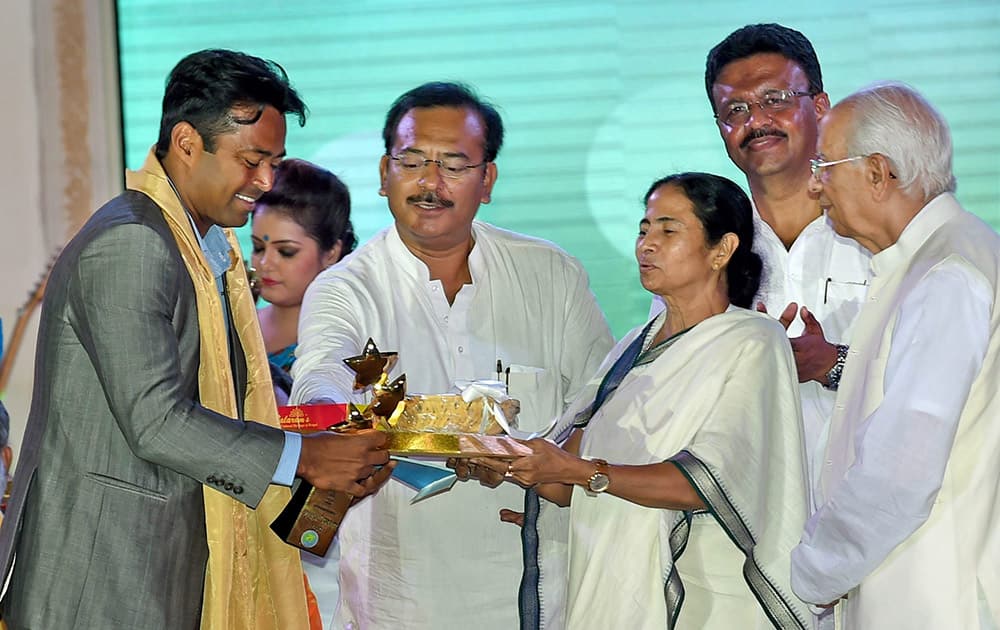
599 98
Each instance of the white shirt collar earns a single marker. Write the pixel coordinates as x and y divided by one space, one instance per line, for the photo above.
932 216
416 268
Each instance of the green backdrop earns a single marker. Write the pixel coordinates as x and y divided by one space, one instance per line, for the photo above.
599 97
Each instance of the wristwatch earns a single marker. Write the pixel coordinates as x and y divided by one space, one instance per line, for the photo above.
599 481
833 376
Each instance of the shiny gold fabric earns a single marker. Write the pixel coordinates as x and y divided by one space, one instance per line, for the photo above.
253 579
454 445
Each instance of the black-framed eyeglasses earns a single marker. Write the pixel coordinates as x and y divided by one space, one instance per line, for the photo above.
452 167
737 113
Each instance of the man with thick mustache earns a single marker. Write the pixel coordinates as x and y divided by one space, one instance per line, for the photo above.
454 296
766 89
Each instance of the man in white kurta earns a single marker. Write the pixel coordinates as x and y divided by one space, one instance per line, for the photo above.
806 263
828 274
908 526
721 403
447 561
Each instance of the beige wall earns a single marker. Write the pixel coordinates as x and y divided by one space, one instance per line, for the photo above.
60 118
23 253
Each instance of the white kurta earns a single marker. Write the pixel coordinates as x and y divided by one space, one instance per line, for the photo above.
828 274
937 566
724 397
446 561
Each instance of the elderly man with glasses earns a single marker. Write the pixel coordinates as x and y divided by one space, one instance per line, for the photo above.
909 526
458 299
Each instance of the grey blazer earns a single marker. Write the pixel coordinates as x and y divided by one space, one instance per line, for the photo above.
107 518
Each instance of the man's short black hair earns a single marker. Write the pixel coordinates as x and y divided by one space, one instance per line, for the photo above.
205 86
446 94
764 38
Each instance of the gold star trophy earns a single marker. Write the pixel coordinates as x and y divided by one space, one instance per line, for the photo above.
470 424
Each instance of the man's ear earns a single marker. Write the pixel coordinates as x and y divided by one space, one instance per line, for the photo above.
185 141
821 102
878 175
383 173
489 178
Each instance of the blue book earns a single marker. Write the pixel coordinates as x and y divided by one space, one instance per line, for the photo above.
426 478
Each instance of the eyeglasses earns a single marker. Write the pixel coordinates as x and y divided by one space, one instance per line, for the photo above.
737 113
454 167
817 165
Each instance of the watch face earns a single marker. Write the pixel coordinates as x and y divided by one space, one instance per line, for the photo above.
599 482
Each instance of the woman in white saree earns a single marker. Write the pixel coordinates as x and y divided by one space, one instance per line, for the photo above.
684 465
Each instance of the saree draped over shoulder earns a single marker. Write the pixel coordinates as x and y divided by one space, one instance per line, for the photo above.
722 404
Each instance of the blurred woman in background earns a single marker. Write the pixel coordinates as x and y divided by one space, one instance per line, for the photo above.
300 227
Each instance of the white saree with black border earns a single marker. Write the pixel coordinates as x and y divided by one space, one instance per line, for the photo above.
721 402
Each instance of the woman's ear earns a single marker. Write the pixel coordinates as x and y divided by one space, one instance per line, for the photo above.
724 250
332 255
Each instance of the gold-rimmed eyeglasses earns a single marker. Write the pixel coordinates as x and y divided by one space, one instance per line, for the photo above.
737 113
452 167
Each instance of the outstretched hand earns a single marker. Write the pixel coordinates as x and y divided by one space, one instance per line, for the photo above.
787 316
466 469
373 483
814 355
511 516
345 461
548 463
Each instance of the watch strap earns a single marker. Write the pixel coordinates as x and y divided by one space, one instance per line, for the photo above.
833 376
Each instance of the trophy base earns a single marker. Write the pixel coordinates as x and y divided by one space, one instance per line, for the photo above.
311 518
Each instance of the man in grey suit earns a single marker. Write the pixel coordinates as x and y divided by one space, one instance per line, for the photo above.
145 309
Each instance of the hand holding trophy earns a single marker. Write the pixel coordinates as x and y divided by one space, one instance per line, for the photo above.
346 462
473 423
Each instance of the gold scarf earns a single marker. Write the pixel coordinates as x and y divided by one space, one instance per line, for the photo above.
253 579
